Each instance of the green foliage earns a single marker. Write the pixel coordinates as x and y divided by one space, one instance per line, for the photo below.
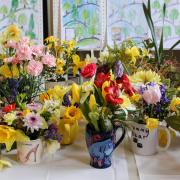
14 4
22 19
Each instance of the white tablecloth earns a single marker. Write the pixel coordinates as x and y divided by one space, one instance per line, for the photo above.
72 163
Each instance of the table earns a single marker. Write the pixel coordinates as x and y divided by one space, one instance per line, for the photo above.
72 162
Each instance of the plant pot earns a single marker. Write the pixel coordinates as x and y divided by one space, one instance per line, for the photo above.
69 132
101 146
145 141
30 152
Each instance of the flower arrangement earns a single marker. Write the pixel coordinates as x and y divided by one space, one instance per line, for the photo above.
66 58
64 101
21 67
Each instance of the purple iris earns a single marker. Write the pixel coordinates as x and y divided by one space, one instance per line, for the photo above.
52 133
118 69
66 101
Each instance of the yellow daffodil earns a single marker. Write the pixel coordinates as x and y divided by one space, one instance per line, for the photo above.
78 64
9 118
72 44
135 98
60 91
4 163
12 32
9 72
152 123
51 40
145 77
132 53
75 93
72 114
174 103
92 102
9 135
59 66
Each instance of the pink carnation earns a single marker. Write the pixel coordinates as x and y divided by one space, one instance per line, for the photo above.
49 60
34 68
152 95
37 50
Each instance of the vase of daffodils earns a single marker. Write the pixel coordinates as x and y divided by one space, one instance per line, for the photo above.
104 102
66 60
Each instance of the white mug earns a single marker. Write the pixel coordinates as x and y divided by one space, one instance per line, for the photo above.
145 141
30 152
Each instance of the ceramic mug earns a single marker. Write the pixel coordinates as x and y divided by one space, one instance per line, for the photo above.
101 146
145 141
30 152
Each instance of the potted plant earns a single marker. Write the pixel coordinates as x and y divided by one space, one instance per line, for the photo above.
104 101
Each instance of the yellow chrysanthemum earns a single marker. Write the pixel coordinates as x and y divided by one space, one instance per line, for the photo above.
152 123
174 103
92 102
72 114
135 98
9 135
145 77
9 72
78 64
50 39
75 93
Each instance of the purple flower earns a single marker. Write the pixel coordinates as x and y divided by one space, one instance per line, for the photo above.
118 69
66 101
52 133
34 106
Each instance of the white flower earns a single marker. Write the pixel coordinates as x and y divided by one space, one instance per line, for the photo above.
10 117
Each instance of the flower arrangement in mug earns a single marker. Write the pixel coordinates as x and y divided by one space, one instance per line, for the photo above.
33 124
67 113
66 58
21 67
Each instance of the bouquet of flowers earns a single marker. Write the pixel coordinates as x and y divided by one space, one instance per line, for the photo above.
21 66
61 104
66 58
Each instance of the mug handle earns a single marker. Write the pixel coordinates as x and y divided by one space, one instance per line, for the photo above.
122 136
159 148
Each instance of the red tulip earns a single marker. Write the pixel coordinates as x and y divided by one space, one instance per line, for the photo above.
88 71
9 108
101 78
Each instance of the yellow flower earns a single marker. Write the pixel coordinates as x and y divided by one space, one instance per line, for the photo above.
72 114
92 102
75 93
59 91
4 164
59 70
174 103
152 123
50 39
145 52
78 64
9 135
105 84
44 96
8 72
26 111
126 101
132 53
145 77
12 32
72 44
135 98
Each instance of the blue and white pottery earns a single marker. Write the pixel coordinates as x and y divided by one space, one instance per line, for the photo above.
101 146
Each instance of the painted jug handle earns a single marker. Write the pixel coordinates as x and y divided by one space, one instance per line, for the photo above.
122 136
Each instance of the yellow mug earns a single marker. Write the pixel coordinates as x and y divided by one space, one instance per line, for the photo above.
69 132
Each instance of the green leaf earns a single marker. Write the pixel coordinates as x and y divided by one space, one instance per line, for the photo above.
174 122
174 45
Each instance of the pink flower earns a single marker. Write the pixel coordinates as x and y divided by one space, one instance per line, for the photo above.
49 60
25 41
152 94
33 121
34 68
11 44
23 52
37 50
13 60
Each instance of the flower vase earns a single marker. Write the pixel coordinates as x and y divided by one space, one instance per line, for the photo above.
101 146
69 132
30 152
